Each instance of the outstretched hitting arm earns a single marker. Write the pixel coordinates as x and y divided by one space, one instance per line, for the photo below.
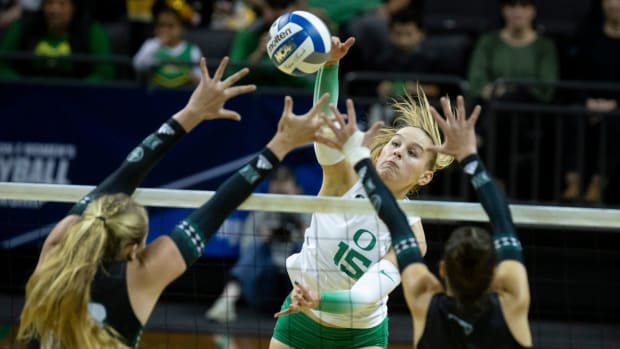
338 176
168 256
205 103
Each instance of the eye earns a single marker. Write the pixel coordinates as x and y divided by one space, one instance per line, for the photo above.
395 144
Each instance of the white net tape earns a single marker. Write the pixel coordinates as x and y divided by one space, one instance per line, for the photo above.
557 216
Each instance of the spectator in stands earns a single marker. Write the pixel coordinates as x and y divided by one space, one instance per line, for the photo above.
140 17
516 51
167 59
233 14
598 57
60 29
406 53
249 48
259 276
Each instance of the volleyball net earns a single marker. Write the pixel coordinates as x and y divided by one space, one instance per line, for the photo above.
571 254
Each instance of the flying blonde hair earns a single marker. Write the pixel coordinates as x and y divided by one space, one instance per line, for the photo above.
413 112
58 292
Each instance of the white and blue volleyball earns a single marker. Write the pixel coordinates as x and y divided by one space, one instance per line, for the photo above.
299 43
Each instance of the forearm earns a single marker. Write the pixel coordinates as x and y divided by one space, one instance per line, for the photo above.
494 202
137 164
327 82
378 282
192 234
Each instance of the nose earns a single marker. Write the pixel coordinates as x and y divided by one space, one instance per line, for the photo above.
397 152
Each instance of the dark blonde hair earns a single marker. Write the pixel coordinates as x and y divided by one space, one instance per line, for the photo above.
58 292
413 112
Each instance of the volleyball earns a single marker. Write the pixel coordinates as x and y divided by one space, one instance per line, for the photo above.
299 43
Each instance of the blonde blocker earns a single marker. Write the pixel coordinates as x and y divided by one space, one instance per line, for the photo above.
413 112
58 292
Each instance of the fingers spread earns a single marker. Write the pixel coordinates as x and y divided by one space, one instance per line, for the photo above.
203 69
320 104
231 80
288 105
351 113
474 115
238 90
460 108
447 110
220 69
229 114
440 120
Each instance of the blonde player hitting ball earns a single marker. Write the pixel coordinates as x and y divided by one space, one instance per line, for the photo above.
484 299
350 253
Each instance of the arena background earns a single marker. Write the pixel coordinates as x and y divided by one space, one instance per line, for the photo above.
66 132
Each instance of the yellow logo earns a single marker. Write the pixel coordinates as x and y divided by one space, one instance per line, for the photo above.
45 48
280 55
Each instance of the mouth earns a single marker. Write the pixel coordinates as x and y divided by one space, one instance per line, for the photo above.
390 163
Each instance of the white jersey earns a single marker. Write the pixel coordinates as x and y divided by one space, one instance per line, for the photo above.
338 248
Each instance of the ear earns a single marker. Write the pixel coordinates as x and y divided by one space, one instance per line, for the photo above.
425 178
442 269
132 251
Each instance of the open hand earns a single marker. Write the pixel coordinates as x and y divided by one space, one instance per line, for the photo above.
339 49
296 130
459 131
343 126
208 99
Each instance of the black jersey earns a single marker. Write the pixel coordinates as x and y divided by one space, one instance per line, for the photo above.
110 304
444 329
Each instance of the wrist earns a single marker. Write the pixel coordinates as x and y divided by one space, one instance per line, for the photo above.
279 147
466 158
187 119
353 149
464 155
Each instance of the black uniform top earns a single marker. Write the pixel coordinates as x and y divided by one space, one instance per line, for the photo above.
110 302
444 329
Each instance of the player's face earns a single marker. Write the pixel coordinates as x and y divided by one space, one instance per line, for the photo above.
611 9
58 13
519 16
403 161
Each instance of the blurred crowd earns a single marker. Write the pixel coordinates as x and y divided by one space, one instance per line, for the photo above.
480 48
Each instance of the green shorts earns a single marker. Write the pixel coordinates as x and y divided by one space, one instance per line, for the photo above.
301 332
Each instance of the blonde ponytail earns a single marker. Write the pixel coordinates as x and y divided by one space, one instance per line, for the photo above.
58 292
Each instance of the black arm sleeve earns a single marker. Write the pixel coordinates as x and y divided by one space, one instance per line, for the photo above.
137 165
192 234
404 241
494 202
